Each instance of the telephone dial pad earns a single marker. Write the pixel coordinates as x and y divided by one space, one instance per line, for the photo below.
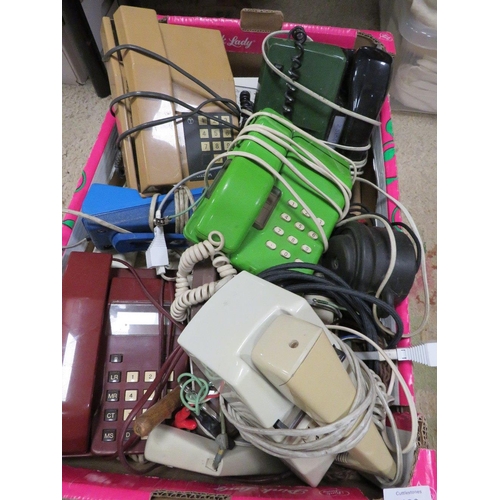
291 238
206 138
128 373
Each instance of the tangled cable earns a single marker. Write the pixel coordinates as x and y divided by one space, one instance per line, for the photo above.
359 306
371 404
185 297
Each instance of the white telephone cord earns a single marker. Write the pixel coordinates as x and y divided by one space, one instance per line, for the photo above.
371 403
185 297
308 91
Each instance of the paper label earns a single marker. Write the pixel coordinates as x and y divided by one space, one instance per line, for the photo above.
411 493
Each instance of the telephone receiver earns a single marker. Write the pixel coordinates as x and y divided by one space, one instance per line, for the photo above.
125 208
298 359
113 346
169 148
368 85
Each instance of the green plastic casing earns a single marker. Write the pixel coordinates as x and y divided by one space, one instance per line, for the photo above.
322 70
239 194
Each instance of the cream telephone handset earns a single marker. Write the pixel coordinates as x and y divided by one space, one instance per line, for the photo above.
156 157
298 359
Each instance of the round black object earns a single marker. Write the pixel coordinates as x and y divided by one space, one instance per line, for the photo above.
360 255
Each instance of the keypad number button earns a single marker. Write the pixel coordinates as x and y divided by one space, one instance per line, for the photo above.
132 377
131 395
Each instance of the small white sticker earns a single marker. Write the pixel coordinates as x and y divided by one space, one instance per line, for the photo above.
411 493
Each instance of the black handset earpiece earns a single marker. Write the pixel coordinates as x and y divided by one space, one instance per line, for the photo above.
368 85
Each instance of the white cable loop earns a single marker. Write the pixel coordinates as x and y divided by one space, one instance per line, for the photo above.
423 266
183 199
380 410
337 437
223 266
152 209
308 91
200 251
185 297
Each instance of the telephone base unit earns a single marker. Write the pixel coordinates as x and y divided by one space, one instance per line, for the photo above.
260 210
321 69
114 344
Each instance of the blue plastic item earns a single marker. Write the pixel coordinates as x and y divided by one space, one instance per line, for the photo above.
126 209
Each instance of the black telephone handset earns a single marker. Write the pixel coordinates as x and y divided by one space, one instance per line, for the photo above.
368 84
114 342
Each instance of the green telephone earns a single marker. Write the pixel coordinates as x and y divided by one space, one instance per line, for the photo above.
277 198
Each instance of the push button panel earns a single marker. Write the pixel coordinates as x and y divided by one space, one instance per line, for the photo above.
206 138
131 367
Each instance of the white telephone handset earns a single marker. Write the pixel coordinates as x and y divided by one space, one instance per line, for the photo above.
220 339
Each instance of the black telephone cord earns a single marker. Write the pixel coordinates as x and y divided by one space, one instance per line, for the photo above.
358 304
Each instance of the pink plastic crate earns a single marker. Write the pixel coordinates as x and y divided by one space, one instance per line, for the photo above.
84 483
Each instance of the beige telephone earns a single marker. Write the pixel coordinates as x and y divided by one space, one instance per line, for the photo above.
155 158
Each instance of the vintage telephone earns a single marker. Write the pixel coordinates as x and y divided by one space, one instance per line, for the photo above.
220 339
114 342
159 156
266 348
317 66
269 203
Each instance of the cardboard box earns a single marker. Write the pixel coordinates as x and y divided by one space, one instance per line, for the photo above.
104 479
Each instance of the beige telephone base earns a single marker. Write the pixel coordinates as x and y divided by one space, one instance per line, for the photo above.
158 157
298 359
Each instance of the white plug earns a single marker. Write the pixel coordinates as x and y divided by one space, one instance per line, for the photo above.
425 354
157 252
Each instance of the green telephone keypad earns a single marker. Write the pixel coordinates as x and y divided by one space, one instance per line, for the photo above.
290 238
264 216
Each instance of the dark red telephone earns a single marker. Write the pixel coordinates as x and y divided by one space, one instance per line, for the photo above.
114 343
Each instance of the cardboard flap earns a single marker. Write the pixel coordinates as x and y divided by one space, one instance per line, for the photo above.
260 20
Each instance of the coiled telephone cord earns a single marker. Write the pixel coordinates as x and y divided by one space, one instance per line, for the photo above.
299 36
185 297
